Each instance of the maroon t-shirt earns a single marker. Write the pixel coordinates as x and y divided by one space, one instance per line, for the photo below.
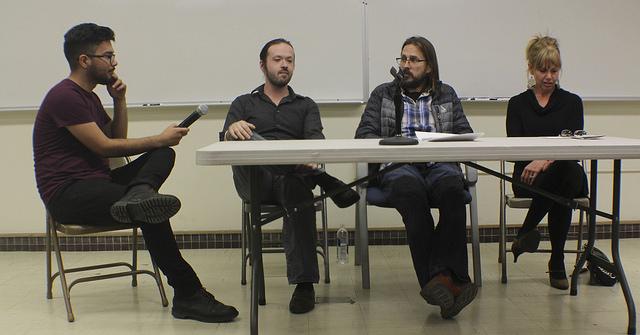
59 157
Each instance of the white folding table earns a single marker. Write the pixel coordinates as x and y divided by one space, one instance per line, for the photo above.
256 153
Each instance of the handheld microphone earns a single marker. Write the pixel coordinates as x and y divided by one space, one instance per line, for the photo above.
397 75
200 111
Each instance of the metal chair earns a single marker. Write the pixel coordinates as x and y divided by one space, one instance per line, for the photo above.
265 209
52 239
245 237
368 196
511 201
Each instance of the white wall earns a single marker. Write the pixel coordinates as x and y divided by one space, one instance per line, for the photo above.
209 198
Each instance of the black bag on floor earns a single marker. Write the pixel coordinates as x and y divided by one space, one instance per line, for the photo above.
601 271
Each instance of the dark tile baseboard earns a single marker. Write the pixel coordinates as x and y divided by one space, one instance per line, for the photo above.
220 240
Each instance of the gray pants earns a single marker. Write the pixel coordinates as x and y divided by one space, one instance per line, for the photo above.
280 185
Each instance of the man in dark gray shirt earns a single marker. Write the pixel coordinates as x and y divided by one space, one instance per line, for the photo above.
274 111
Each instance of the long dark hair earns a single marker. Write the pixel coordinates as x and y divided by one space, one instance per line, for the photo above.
433 79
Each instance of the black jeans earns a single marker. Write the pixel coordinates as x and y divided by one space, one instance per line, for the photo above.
89 202
413 190
281 185
566 179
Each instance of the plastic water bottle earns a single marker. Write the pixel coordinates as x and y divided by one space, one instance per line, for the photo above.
342 242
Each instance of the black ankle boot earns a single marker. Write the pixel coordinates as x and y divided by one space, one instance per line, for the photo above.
143 204
558 276
528 242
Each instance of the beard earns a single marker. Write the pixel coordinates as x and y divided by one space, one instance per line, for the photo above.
410 83
277 81
100 77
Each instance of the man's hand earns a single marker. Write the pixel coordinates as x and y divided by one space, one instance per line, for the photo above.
239 131
306 168
117 89
533 169
172 135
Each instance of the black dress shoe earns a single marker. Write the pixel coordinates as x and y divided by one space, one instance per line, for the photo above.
143 204
303 299
528 242
329 183
204 307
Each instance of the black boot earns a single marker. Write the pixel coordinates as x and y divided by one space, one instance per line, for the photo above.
528 242
202 306
143 204
303 299
557 274
342 199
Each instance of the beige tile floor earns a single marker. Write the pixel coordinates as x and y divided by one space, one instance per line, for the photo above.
526 305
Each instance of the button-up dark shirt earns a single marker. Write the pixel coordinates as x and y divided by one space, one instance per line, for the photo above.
295 117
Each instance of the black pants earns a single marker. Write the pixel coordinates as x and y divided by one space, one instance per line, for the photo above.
566 179
281 185
89 202
413 190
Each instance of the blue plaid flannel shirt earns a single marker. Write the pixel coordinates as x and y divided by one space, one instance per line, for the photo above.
417 115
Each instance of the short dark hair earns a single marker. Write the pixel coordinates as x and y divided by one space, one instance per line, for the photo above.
265 48
429 52
83 39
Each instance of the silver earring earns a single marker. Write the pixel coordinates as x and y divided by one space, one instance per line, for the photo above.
531 82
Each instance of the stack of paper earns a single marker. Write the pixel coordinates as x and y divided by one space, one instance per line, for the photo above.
445 137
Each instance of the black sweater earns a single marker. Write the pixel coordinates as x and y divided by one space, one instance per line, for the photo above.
525 117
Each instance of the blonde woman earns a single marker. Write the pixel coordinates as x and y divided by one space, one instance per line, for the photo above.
545 109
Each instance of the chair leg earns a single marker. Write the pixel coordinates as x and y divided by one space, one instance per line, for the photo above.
356 240
363 241
243 244
325 242
63 277
158 277
503 240
47 256
579 246
475 239
134 257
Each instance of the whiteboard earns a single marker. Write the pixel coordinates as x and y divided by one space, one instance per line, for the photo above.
183 52
480 45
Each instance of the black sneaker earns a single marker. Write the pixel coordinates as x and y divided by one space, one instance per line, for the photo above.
204 307
145 205
303 299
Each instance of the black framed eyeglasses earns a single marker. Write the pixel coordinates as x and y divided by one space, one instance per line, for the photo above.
111 58
571 133
410 60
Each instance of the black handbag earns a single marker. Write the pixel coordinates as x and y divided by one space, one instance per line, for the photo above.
601 271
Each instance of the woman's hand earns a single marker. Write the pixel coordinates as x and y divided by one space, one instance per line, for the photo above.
533 169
